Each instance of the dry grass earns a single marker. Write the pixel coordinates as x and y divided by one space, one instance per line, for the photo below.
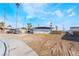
50 44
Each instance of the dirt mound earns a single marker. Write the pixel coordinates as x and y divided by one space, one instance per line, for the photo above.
70 37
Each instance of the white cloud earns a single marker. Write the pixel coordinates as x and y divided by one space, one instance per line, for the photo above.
72 14
39 10
69 10
43 18
58 13
33 9
28 17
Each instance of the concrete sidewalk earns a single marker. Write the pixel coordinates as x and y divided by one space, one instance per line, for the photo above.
15 47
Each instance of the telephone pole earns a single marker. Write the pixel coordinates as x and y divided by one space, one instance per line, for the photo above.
17 6
51 26
4 18
63 28
4 15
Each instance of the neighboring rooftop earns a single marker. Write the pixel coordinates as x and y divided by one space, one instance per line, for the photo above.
74 27
42 27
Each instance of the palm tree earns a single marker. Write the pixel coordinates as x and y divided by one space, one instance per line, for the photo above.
29 26
2 26
17 6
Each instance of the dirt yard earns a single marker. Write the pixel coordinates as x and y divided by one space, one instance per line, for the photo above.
48 44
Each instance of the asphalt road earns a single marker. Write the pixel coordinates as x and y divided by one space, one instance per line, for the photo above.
14 47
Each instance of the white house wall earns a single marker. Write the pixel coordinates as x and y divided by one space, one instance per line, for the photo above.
41 31
74 29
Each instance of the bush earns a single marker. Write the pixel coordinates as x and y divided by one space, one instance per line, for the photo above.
56 32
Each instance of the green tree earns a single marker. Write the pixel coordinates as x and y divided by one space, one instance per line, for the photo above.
29 26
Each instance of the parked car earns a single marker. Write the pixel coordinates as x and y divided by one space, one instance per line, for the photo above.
13 31
30 31
17 31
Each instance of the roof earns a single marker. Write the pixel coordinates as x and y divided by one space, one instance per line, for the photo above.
42 28
74 27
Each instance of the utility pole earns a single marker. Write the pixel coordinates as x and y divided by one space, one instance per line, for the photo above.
4 18
56 28
63 28
51 25
4 14
24 21
17 6
30 20
38 25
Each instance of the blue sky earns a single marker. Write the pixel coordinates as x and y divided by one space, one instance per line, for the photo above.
59 14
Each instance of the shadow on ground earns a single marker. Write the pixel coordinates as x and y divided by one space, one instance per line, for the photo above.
70 37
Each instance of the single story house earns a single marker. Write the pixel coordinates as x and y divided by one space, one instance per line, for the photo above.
41 30
23 30
12 30
74 31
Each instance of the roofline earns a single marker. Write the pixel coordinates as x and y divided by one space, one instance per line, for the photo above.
75 27
42 28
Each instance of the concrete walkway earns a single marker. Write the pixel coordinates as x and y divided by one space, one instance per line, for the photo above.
14 47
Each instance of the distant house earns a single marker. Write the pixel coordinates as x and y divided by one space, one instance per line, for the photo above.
74 31
42 30
8 28
12 30
23 29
